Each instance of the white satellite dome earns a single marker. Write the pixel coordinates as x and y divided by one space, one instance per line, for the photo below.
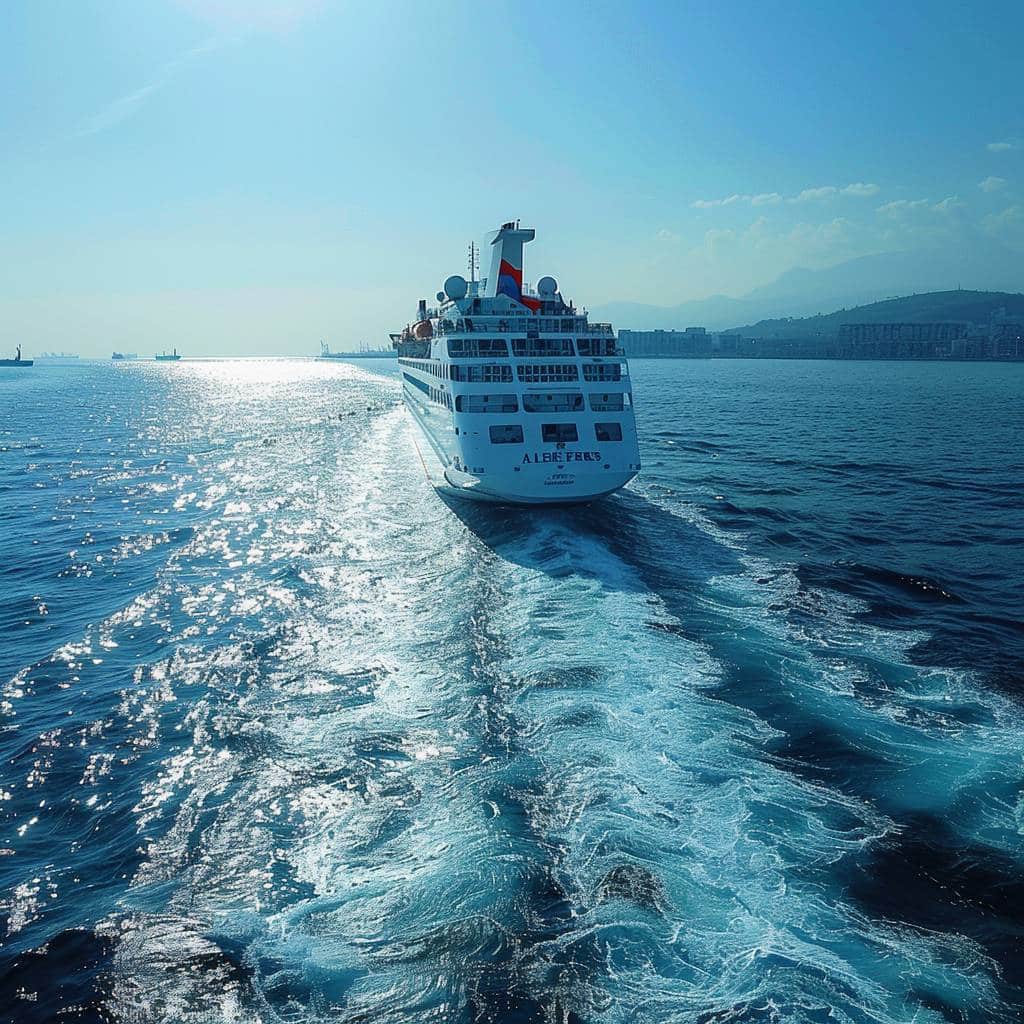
547 287
455 287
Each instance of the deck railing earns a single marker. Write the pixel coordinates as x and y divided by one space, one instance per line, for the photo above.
522 325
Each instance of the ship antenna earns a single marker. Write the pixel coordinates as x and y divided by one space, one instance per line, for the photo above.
474 261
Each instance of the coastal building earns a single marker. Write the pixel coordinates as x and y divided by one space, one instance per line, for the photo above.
900 340
1001 339
1006 338
859 334
692 342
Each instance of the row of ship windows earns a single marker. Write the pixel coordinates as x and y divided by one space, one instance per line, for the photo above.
528 373
541 324
552 433
434 394
532 347
564 401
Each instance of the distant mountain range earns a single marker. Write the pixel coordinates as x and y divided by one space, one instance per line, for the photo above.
806 293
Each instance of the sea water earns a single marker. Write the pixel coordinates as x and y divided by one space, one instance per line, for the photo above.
288 737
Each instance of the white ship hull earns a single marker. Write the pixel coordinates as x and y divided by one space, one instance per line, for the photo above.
494 498
534 484
461 460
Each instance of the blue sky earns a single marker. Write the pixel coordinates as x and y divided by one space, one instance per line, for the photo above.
238 176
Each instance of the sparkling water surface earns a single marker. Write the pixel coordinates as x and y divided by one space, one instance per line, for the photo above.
287 737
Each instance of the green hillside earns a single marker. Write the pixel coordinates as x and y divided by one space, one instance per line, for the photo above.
976 307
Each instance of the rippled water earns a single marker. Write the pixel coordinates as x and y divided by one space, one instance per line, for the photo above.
285 737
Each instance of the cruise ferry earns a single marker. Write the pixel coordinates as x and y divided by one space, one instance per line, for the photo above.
520 399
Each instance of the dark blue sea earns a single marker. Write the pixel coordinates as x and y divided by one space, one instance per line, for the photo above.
285 737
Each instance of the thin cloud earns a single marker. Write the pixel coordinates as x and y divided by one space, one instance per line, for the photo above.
992 184
1009 224
116 112
857 189
861 189
898 206
1003 147
664 235
716 238
811 194
127 106
709 204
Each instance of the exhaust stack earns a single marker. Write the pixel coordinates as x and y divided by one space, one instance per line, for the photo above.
506 274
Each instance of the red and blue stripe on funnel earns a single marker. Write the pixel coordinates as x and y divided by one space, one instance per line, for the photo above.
510 283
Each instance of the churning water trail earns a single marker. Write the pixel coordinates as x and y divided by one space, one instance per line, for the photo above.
293 739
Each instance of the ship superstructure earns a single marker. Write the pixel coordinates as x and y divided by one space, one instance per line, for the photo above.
521 399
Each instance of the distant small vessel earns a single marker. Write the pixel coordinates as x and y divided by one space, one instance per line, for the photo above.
57 356
17 360
167 357
125 356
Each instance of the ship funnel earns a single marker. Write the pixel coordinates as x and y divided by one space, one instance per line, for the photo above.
506 275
